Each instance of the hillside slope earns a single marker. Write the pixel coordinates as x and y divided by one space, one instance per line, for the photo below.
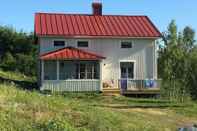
22 109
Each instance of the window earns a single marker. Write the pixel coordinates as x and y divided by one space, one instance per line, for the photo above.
67 70
127 70
50 70
126 44
82 71
59 43
82 43
87 71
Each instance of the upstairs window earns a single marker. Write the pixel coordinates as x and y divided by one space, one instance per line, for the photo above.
126 44
59 43
82 43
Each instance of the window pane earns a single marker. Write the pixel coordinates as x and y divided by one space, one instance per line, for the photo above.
82 75
89 75
50 70
123 72
126 44
82 43
130 72
96 71
67 70
59 43
89 72
82 71
89 68
77 71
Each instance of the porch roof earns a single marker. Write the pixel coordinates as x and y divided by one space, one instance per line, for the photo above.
70 53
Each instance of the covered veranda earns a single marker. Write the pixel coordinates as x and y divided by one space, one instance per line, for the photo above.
71 69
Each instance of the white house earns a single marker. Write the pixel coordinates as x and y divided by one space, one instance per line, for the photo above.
89 52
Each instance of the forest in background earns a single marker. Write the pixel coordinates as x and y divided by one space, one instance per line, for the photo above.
17 51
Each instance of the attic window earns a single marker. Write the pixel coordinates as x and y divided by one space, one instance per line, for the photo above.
126 44
82 43
59 43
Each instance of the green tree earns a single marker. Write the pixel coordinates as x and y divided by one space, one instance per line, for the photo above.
192 77
175 62
17 46
8 61
188 38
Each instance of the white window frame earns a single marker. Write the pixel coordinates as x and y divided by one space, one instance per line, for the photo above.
126 41
133 61
92 72
82 40
66 44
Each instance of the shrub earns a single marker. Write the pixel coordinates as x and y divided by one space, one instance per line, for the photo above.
8 61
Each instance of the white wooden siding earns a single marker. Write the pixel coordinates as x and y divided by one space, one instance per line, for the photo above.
142 52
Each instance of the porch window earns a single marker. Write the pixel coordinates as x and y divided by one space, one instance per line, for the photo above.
82 71
67 70
50 70
87 71
78 70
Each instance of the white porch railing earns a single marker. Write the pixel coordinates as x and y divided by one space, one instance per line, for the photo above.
71 85
130 84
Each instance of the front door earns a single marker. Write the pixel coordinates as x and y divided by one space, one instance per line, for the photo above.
127 72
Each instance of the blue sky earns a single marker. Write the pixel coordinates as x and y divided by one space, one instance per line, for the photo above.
20 13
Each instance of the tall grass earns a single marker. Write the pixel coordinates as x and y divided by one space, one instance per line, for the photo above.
175 90
15 76
24 110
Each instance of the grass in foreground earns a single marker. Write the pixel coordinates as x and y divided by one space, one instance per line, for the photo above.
25 110
30 110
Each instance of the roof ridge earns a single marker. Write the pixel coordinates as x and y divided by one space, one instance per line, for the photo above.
52 13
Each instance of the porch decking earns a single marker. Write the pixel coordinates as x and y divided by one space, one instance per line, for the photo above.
107 91
135 87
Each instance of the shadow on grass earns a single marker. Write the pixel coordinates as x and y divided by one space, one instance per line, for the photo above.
27 85
140 106
144 101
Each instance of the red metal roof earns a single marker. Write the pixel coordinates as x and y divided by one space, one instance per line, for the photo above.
70 53
71 25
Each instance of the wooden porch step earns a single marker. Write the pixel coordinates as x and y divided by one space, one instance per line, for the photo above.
114 89
111 91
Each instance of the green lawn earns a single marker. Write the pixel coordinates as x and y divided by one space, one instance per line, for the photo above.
25 110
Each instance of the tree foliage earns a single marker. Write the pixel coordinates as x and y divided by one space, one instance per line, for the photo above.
176 58
17 51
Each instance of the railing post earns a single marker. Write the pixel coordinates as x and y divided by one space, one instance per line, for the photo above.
100 76
127 84
42 73
58 69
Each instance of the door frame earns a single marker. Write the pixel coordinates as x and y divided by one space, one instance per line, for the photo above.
134 69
